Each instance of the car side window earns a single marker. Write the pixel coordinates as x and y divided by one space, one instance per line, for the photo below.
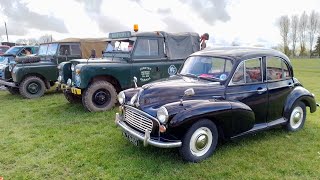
248 71
147 47
277 69
75 49
64 50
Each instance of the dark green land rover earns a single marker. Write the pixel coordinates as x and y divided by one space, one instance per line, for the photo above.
147 56
31 76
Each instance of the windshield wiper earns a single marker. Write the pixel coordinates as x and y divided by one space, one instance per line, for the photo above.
189 75
213 79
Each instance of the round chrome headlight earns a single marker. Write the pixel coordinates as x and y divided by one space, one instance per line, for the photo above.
72 67
162 115
69 82
60 79
121 97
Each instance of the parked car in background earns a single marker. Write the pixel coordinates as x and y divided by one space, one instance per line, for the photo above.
148 56
3 49
31 76
219 93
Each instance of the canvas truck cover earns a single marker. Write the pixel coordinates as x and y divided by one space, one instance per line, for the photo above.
181 45
87 44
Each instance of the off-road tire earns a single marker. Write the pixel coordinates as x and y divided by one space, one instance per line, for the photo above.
71 97
100 96
195 130
32 87
13 90
296 121
27 59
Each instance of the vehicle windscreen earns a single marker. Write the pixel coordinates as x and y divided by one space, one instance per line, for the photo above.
117 47
206 67
13 50
48 49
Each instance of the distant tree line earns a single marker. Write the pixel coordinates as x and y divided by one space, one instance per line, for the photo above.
299 32
33 41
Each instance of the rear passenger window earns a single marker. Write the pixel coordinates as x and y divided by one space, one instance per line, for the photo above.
277 69
75 50
147 47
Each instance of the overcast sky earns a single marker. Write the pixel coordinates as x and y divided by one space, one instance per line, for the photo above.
246 22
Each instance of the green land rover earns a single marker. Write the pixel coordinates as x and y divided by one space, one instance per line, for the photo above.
147 56
31 76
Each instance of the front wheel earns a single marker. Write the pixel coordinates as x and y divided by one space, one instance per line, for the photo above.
100 96
200 141
297 117
32 87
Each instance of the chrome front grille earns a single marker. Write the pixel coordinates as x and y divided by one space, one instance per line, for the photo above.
138 120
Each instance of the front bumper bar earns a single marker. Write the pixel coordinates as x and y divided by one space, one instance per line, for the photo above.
145 137
73 90
5 83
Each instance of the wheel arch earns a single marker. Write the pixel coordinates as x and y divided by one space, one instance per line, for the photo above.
108 78
46 82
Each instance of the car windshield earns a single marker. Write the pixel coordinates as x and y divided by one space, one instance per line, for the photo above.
205 67
13 50
48 49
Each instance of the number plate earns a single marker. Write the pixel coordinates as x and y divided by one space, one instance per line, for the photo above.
132 139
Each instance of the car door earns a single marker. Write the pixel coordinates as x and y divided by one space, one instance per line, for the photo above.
279 84
247 86
146 60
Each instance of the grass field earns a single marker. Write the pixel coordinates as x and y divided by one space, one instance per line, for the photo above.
48 138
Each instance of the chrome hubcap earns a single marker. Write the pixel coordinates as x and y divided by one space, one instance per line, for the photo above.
201 141
296 117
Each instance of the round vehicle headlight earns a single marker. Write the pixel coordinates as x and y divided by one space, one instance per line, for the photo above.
69 82
162 115
121 97
60 79
72 67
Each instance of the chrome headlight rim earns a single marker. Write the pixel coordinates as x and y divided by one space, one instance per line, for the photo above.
162 115
121 98
72 67
69 82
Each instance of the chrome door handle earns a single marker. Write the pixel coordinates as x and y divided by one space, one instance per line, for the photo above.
262 90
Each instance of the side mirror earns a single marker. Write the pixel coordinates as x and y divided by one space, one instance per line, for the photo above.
189 92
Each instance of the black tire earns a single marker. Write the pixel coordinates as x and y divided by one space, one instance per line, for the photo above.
100 96
200 133
296 117
13 90
27 59
32 87
71 97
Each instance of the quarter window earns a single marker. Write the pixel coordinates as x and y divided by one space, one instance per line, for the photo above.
248 71
147 47
75 50
277 69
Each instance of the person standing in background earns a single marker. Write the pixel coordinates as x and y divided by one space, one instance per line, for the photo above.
203 39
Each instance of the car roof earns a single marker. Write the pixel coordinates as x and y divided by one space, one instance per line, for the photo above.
240 53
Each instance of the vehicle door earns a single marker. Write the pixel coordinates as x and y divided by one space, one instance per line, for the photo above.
247 86
147 60
34 49
279 84
68 51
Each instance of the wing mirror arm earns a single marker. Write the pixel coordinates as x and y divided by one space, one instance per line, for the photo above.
187 93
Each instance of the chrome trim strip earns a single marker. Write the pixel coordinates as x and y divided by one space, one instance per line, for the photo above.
145 138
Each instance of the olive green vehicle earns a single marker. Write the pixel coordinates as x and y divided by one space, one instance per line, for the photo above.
147 56
31 76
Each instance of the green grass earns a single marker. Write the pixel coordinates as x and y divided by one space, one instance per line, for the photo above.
48 138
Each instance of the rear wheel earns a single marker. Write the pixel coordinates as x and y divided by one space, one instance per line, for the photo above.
100 96
32 87
200 141
297 117
71 97
13 90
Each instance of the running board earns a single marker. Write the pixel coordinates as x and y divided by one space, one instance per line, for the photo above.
262 126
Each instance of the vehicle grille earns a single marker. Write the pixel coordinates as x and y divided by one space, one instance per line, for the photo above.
138 120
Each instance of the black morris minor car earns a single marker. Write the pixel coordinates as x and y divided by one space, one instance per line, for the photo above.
218 93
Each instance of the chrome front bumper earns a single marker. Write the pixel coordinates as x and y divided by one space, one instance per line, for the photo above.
145 137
